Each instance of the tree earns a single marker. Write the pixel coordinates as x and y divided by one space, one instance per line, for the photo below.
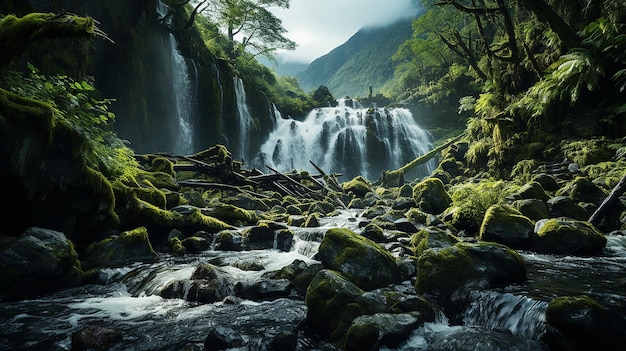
250 26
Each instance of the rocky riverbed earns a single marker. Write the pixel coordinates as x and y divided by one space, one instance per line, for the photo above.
312 263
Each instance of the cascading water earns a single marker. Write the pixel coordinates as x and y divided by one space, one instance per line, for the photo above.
347 139
183 94
244 118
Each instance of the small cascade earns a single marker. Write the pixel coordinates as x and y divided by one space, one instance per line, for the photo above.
347 139
522 316
244 119
183 97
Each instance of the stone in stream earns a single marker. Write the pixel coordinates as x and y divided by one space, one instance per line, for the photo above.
567 236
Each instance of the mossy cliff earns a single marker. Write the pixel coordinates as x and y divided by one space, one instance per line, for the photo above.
135 69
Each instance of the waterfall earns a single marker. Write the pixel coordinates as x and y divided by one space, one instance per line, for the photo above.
347 139
244 119
183 97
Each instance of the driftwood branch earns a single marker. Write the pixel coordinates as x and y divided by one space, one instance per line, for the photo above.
617 191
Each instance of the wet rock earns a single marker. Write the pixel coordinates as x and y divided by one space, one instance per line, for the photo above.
195 244
404 225
533 190
98 338
268 326
583 190
431 238
578 323
534 209
567 236
403 203
448 273
361 260
382 329
312 221
301 281
564 206
547 181
430 196
207 284
505 225
373 232
230 240
333 302
130 246
37 262
264 289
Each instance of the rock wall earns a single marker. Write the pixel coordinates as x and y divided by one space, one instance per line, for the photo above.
135 70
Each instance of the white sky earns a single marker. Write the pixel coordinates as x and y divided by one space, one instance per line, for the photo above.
318 26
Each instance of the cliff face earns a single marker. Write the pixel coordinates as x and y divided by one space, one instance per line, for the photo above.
154 77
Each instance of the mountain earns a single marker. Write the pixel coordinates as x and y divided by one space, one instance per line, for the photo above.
363 60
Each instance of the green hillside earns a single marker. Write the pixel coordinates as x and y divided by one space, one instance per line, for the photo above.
362 61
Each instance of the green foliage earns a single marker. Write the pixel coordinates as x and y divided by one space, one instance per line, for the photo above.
476 198
79 106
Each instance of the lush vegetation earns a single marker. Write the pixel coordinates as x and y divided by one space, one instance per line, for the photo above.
517 72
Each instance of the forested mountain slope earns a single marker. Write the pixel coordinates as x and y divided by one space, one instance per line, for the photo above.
362 61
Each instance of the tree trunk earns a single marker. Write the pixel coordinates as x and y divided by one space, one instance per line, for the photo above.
558 25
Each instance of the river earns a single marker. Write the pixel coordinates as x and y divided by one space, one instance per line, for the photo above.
129 301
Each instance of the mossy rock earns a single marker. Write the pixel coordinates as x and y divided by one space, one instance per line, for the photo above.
359 186
548 182
582 189
231 214
392 179
567 236
188 219
430 196
163 165
359 259
431 238
333 302
373 232
532 190
195 244
534 209
371 332
459 268
130 246
579 323
230 240
159 180
38 262
565 206
506 225
416 216
312 221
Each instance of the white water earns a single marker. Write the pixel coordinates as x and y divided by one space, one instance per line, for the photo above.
244 118
346 139
183 94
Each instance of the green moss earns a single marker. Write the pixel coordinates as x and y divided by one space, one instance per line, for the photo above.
561 308
358 185
176 247
163 165
233 214
361 337
392 178
587 152
442 270
18 34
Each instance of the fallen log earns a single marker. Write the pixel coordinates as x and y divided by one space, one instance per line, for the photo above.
430 154
617 191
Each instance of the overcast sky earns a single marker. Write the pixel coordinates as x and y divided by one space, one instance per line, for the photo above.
318 26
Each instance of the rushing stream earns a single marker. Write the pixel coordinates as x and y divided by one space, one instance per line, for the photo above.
129 301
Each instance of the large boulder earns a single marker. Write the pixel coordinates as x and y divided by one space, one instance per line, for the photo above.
430 196
333 302
37 262
567 236
533 190
505 225
130 246
446 274
565 206
579 323
359 259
